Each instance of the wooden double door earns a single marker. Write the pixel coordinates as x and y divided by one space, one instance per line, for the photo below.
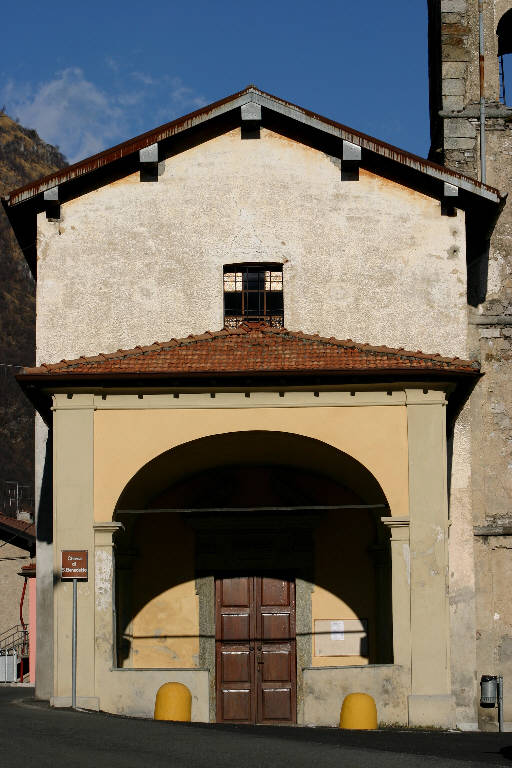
255 649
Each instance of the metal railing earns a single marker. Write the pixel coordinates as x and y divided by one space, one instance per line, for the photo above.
16 499
15 640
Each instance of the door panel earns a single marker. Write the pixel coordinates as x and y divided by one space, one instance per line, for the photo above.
276 705
274 591
277 665
235 650
275 626
235 592
236 666
236 627
236 706
275 654
255 649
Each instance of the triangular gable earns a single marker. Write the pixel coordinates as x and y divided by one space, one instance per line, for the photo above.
299 116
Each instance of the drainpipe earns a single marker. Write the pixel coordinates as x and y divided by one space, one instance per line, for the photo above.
483 170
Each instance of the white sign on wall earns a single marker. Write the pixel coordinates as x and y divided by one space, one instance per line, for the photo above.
341 637
337 631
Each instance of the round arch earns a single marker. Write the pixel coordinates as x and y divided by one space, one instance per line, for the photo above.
504 35
255 502
243 449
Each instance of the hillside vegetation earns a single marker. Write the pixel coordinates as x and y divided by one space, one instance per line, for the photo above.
24 157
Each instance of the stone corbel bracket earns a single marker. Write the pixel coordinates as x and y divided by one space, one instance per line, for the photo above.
150 167
250 114
52 203
350 161
450 193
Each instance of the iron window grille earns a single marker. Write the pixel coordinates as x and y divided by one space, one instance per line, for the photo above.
253 293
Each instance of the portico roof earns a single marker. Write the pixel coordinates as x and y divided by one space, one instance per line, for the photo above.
253 349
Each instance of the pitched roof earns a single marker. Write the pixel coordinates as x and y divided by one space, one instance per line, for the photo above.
253 348
17 529
273 103
29 570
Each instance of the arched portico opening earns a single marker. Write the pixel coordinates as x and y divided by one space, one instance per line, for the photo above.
249 511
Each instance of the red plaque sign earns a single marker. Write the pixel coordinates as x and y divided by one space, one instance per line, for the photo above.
75 564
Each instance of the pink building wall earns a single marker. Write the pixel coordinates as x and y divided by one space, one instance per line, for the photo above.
32 628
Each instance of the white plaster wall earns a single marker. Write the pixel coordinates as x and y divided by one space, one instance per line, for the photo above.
133 262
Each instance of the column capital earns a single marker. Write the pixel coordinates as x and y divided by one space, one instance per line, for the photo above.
103 533
399 527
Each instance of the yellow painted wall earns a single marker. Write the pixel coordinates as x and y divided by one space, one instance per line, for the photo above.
344 578
165 627
125 440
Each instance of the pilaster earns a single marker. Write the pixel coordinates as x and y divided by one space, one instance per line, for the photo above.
431 702
104 596
73 517
401 588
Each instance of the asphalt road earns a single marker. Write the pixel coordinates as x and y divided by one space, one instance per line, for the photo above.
34 735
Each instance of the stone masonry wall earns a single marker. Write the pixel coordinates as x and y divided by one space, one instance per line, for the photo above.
454 52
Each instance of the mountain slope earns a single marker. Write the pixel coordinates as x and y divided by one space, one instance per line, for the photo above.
23 158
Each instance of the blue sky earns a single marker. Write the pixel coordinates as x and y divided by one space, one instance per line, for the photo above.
89 75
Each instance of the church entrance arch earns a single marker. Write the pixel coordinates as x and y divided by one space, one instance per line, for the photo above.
265 541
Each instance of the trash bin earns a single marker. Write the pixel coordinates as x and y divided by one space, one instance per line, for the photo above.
488 690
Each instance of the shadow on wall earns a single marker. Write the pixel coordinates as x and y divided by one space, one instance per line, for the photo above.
44 517
224 507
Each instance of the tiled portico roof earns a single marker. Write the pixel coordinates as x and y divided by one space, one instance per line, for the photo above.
252 348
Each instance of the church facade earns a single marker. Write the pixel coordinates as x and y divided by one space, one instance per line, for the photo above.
278 494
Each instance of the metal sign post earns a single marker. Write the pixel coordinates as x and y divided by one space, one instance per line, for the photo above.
74 568
73 649
501 727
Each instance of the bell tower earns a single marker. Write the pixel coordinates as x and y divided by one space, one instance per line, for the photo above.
470 44
463 33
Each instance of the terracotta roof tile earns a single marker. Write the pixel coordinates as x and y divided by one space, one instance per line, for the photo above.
18 526
253 347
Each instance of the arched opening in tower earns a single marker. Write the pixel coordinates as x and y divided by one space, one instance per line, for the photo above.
504 32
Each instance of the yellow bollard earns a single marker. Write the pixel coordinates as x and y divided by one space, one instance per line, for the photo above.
173 702
358 712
